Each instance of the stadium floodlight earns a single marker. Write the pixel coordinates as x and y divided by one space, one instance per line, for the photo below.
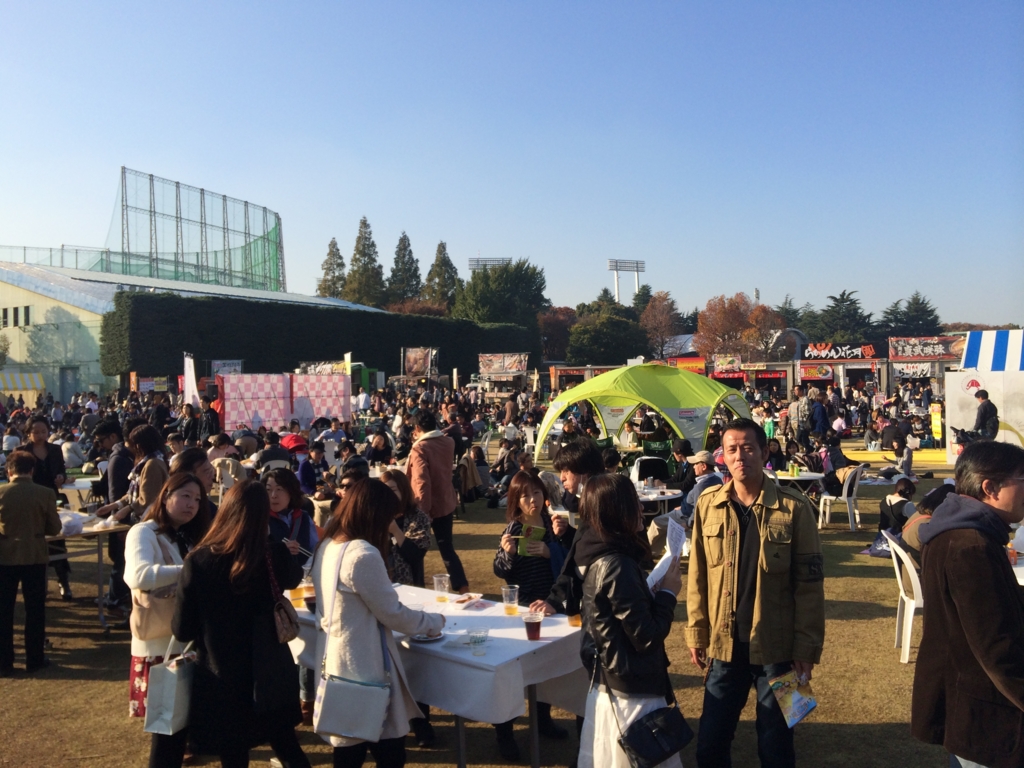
619 265
475 265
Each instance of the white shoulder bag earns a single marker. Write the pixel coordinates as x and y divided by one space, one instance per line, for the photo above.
350 708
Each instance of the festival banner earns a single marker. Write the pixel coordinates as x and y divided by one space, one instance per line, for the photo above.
727 363
514 362
691 364
815 371
420 361
935 409
841 352
912 370
223 367
927 347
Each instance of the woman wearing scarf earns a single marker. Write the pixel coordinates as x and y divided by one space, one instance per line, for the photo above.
146 479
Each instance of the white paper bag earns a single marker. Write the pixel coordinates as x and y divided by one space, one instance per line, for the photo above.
167 695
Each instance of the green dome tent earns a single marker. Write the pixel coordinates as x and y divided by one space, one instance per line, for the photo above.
686 401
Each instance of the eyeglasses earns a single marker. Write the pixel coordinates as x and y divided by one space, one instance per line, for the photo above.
343 486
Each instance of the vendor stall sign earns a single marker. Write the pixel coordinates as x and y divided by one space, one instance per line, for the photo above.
841 352
935 409
728 363
503 363
770 375
927 348
753 366
815 371
691 364
729 375
912 370
159 383
223 367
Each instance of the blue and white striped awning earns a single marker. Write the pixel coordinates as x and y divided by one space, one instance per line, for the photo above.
994 351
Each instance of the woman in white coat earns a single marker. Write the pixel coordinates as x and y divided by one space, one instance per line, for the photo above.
363 597
154 552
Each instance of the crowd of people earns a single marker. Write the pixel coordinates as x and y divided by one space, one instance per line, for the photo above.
191 574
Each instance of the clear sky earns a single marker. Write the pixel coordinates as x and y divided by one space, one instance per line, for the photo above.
800 148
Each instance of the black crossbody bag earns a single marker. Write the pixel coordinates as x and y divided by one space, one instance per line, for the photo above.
654 738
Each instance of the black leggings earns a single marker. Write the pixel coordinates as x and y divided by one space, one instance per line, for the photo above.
389 753
442 527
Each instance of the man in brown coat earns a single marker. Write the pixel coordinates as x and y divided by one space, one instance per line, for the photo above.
969 681
28 513
431 467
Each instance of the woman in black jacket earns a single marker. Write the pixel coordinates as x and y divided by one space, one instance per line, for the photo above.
51 473
244 691
188 425
624 625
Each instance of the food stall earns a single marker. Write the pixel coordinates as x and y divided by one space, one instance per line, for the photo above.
859 365
925 359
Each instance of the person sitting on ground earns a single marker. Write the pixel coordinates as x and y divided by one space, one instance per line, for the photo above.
482 468
504 465
895 509
312 468
273 452
872 436
904 461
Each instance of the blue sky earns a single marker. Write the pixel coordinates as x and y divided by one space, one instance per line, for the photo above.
800 148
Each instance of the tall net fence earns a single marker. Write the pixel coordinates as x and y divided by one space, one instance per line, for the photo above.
173 231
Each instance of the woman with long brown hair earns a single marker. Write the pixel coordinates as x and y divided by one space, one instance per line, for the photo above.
410 532
155 551
352 582
244 692
624 625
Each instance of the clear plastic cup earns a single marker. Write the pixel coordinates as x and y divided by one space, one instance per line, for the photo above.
442 585
510 596
478 639
532 623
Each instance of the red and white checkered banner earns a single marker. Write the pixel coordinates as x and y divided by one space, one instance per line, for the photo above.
314 396
255 399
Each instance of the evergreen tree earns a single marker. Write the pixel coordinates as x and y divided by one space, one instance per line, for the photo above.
508 293
893 319
605 340
605 304
443 281
365 282
642 298
404 281
843 320
789 312
688 324
920 318
332 283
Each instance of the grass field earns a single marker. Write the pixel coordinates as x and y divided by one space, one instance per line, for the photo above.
75 712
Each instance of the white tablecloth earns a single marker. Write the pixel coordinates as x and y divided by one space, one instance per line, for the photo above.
487 688
1018 571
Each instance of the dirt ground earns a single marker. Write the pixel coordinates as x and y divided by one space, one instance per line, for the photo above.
75 712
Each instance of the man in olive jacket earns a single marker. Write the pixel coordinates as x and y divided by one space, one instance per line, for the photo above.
28 513
969 680
755 599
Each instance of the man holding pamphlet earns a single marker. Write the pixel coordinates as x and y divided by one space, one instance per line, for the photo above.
756 603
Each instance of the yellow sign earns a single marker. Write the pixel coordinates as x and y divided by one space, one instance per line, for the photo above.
935 409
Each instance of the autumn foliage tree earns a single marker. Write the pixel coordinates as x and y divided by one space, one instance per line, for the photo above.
759 339
661 321
555 324
417 307
721 325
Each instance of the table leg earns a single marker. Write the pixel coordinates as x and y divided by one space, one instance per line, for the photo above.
531 695
99 582
460 742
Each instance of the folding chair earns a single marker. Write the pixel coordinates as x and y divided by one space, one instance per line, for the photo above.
662 448
905 621
849 495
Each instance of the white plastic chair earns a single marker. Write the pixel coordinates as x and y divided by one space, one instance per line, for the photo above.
102 467
849 495
531 436
331 448
905 621
485 442
275 464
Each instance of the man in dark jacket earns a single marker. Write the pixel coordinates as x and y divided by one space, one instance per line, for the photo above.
969 681
986 423
209 421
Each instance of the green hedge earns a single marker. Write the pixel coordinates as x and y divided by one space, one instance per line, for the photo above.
149 332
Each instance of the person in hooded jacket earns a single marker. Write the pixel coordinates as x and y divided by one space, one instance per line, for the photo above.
969 680
624 624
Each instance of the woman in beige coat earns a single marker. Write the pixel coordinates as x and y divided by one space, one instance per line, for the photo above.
358 534
147 477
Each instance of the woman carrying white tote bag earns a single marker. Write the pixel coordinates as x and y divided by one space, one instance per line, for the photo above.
363 700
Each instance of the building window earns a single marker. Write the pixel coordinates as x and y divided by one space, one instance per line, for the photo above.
3 322
16 317
25 318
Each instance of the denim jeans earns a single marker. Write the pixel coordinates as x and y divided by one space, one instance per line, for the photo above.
725 694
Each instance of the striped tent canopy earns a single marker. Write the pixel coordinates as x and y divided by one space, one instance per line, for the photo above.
994 351
21 382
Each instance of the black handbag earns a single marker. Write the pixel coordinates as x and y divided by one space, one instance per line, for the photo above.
654 738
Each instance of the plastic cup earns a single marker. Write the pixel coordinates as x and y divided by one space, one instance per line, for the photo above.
477 640
510 596
532 622
442 584
575 620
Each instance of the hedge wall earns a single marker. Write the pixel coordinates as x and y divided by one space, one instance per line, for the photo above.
149 332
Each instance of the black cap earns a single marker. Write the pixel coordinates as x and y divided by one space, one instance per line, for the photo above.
683 447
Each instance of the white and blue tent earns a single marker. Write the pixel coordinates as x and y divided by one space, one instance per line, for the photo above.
994 351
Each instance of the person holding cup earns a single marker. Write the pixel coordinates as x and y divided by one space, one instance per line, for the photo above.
624 624
529 558
355 546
